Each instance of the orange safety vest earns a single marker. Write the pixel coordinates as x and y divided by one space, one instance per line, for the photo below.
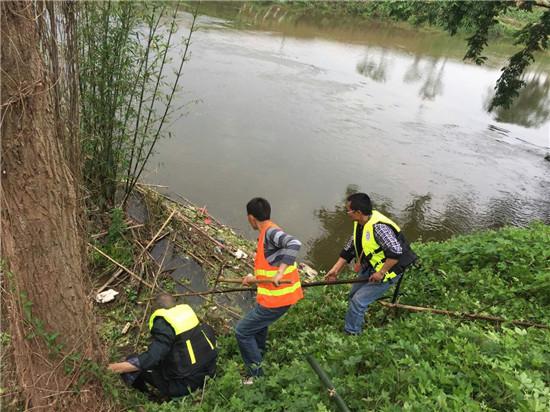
269 295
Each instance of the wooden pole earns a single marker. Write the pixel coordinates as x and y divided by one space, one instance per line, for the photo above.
304 285
146 248
123 267
462 315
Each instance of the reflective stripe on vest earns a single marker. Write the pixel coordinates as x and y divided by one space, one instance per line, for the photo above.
208 340
269 295
181 317
372 250
191 352
273 273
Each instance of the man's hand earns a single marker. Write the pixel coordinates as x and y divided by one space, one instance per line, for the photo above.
248 278
277 278
377 277
122 367
331 275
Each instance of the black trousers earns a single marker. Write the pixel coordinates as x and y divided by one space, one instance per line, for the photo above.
174 388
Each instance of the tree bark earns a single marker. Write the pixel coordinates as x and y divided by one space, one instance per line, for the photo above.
42 247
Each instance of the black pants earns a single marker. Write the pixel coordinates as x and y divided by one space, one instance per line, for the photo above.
174 388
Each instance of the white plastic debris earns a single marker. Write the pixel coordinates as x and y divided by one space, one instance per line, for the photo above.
106 296
126 328
308 271
239 254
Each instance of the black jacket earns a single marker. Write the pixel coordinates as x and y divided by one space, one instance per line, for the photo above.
169 353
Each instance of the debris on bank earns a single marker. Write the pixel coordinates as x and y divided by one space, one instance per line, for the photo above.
176 247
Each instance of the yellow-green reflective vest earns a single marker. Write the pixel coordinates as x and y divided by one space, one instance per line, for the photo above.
182 318
194 343
372 250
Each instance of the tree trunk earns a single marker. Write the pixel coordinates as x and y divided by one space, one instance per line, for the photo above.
42 247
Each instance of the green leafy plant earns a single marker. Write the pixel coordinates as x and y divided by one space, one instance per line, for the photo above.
415 361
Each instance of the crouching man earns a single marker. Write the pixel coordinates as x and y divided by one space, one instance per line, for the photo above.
181 355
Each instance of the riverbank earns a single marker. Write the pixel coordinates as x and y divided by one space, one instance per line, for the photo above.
354 20
423 361
400 13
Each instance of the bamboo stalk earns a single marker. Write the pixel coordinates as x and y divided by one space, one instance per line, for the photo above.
202 232
304 285
150 295
462 315
194 226
234 314
160 230
199 258
135 176
194 205
120 265
104 233
144 249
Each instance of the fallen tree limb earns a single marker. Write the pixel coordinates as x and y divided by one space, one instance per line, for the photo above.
233 314
304 285
120 265
146 248
206 235
387 304
151 291
462 315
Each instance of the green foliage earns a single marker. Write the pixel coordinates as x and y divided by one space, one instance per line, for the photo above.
116 244
125 95
37 328
534 38
415 362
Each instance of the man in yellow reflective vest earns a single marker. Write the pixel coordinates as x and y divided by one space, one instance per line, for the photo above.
381 253
181 355
278 285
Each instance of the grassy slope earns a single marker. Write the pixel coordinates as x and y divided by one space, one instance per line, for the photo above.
416 361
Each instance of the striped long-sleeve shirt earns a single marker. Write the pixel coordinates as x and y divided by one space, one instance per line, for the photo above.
280 247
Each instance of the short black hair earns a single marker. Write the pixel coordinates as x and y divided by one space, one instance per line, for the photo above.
259 208
360 202
165 301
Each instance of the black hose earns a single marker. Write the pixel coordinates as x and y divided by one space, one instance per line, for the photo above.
328 384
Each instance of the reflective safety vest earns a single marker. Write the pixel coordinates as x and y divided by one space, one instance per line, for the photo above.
372 250
267 294
194 344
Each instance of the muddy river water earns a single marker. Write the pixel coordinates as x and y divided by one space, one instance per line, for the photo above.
302 111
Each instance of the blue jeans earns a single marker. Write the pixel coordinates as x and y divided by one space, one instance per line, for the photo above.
360 297
251 333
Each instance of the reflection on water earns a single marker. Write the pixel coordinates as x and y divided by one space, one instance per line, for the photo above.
532 107
372 67
428 74
433 84
419 221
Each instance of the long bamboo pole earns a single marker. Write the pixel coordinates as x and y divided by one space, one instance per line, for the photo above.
387 304
462 315
304 285
145 249
120 265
